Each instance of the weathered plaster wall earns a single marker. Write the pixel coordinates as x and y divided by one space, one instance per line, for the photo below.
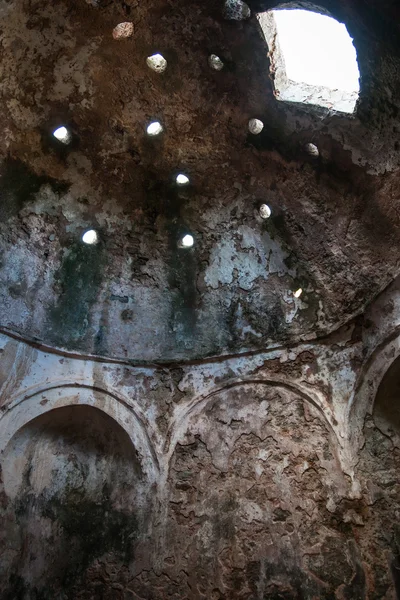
334 224
175 423
75 491
238 477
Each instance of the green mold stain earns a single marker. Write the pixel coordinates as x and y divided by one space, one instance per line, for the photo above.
80 277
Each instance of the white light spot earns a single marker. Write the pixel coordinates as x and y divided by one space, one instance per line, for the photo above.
255 126
62 134
182 179
90 237
155 128
187 241
123 31
215 62
314 59
298 293
157 63
312 150
265 211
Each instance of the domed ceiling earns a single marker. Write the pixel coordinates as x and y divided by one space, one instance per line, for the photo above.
136 294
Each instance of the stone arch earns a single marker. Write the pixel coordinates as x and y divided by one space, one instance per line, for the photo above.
376 414
197 404
76 492
250 464
369 381
25 408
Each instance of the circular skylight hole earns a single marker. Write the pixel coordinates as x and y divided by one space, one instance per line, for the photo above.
90 237
157 63
154 128
312 150
256 126
215 62
182 179
123 31
298 293
62 135
265 211
186 241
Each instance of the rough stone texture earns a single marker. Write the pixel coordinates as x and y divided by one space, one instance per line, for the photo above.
266 475
73 492
333 230
174 423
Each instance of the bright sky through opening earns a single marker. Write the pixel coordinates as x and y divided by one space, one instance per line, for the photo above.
317 50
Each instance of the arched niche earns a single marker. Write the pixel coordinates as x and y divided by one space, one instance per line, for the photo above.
378 470
371 379
386 410
76 502
381 434
27 407
254 485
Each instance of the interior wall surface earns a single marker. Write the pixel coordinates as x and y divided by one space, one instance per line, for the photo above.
269 475
333 230
176 423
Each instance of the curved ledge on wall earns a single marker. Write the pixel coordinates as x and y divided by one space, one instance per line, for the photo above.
306 339
41 346
45 399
